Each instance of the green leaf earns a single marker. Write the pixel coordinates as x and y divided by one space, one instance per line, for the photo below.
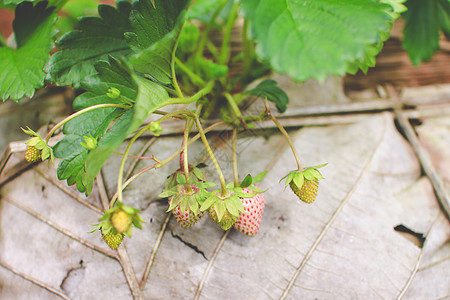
13 3
21 69
74 155
367 61
150 97
269 89
203 9
93 123
259 177
314 38
421 31
247 181
156 32
152 23
444 16
96 39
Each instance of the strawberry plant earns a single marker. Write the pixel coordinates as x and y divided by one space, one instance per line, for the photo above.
144 58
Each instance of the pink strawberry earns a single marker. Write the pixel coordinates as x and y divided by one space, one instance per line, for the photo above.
250 221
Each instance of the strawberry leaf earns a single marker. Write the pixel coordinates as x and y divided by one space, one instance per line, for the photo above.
150 97
247 181
315 38
424 21
21 69
269 89
96 38
72 165
155 48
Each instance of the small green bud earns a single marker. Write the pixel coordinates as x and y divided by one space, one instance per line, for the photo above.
89 143
156 128
113 93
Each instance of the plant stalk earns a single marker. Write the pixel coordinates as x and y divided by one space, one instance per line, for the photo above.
85 110
160 164
234 157
211 155
122 164
185 155
225 50
204 91
195 79
172 67
286 135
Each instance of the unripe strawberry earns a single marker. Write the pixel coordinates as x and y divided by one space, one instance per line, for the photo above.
121 221
227 220
185 216
113 239
250 221
185 200
308 191
305 183
33 154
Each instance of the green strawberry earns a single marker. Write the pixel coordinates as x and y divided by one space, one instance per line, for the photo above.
305 183
121 220
225 207
33 154
308 191
226 221
113 239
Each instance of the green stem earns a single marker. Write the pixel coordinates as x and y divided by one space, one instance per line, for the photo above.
72 116
234 157
204 91
235 109
211 155
212 48
172 67
225 50
202 42
185 155
248 48
192 76
164 162
286 135
233 105
173 115
122 164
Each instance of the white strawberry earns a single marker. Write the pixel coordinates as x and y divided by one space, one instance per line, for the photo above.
250 221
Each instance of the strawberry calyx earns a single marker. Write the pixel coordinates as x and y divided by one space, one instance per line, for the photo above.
226 209
195 175
121 219
185 197
185 200
304 183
